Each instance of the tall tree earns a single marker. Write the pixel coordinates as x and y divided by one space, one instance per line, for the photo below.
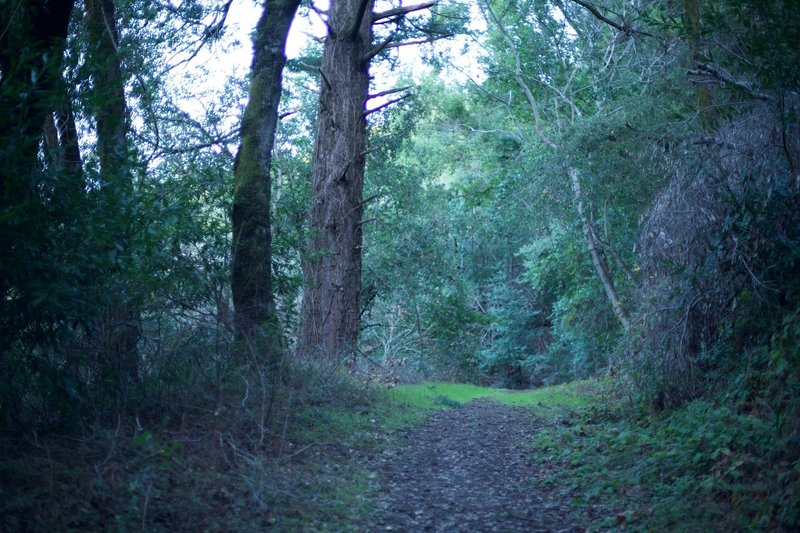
32 40
251 283
119 330
331 301
598 259
332 271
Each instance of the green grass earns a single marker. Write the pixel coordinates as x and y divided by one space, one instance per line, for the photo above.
704 467
407 405
436 395
369 425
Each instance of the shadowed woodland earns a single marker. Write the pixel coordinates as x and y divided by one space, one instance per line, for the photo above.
544 275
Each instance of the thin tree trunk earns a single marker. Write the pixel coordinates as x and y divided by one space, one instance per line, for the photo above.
332 270
62 147
51 144
599 263
251 281
119 328
705 99
68 136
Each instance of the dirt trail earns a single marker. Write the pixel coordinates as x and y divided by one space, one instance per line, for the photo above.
467 469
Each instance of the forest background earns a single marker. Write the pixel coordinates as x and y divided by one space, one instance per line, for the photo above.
611 192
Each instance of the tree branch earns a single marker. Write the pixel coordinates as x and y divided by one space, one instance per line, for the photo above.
707 69
401 11
537 122
615 255
387 93
362 8
387 104
597 259
326 80
430 39
377 49
623 26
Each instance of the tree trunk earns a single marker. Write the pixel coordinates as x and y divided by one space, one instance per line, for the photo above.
32 37
705 99
251 281
119 330
62 147
68 137
108 98
332 269
599 262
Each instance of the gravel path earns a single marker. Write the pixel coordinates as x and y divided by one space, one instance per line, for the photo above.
466 469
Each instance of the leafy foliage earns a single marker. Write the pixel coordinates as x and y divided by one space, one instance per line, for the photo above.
703 466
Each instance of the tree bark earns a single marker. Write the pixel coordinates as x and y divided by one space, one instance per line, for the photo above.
108 97
332 269
598 261
251 281
68 136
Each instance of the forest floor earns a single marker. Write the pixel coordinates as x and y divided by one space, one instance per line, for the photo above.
467 469
423 457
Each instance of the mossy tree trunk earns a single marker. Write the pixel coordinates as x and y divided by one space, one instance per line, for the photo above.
251 282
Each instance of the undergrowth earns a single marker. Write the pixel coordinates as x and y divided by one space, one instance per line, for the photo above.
293 456
253 454
703 467
256 452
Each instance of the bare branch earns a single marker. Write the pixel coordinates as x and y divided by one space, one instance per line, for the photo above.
377 49
313 37
707 69
387 104
326 80
387 93
320 12
430 39
370 150
401 11
597 259
623 26
369 199
615 255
